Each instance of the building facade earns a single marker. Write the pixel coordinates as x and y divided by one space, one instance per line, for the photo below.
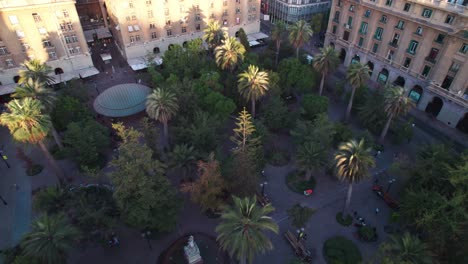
292 11
421 45
47 30
142 26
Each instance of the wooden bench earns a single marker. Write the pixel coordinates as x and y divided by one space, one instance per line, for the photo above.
262 200
299 248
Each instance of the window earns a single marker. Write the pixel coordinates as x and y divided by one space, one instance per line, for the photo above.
168 22
127 18
169 32
455 67
67 39
153 35
336 18
238 10
401 24
130 4
150 14
65 13
13 20
388 2
20 34
184 29
148 2
447 82
225 12
70 26
449 19
130 28
134 17
407 62
132 39
197 17
440 38
350 22
37 17
412 47
3 50
71 50
351 8
237 20
361 40
334 30
432 55
136 27
395 39
338 3
24 47
427 13
46 43
378 33
42 30
9 63
419 31
197 27
166 12
152 26
407 7
375 48
346 35
367 13
426 71
52 55
363 29
383 19
390 54
225 22
74 38
137 38
464 48
63 27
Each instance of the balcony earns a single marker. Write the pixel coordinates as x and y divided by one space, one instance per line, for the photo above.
336 20
431 59
393 44
347 26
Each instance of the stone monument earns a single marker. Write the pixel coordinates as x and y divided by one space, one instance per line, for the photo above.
192 252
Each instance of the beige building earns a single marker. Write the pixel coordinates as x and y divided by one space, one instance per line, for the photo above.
48 30
142 26
421 45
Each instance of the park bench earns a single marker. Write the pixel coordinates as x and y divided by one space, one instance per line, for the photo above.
299 248
262 200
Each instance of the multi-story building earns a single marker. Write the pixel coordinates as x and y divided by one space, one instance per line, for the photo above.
47 30
421 45
291 11
142 26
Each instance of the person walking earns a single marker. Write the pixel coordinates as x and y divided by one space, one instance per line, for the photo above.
377 210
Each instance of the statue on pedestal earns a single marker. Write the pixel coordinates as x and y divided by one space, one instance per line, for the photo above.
192 252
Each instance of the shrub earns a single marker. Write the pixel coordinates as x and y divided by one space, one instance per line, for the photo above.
275 113
67 110
340 250
34 170
278 157
367 233
295 181
342 133
300 215
312 105
344 221
50 200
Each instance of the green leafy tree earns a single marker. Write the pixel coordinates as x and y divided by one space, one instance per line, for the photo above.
325 62
50 200
299 33
316 22
27 124
313 105
229 54
300 215
162 105
406 249
320 131
50 239
143 194
357 75
208 189
37 71
213 34
87 140
68 110
277 35
241 231
183 157
311 156
396 104
150 134
243 39
275 113
370 113
253 84
352 163
295 76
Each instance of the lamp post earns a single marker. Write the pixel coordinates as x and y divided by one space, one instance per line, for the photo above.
3 200
4 158
390 182
146 235
263 187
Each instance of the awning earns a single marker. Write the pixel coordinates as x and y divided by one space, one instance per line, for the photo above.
91 71
257 36
140 63
8 88
106 56
64 77
254 43
250 38
101 33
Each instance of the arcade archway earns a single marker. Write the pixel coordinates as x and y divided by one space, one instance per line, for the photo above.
416 93
435 106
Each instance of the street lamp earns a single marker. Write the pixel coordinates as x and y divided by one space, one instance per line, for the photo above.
4 158
146 234
263 187
390 182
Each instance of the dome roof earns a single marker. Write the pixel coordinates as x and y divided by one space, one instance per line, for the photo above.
122 100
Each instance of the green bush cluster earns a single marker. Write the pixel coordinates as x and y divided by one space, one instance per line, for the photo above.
340 250
344 221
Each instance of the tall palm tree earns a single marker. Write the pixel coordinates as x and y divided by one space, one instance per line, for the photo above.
352 163
162 105
325 62
183 157
229 54
253 84
214 34
27 124
277 35
299 33
36 71
396 104
37 90
407 248
50 239
357 75
311 156
241 229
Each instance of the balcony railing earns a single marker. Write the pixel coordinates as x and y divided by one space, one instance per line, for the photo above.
393 44
431 59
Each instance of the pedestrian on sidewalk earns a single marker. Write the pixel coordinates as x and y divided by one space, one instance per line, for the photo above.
377 210
377 154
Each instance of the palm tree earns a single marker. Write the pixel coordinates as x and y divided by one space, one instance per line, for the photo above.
183 157
242 226
50 239
214 34
407 249
357 75
27 124
352 163
36 71
277 35
299 33
325 62
37 90
396 104
253 84
162 105
229 54
311 156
